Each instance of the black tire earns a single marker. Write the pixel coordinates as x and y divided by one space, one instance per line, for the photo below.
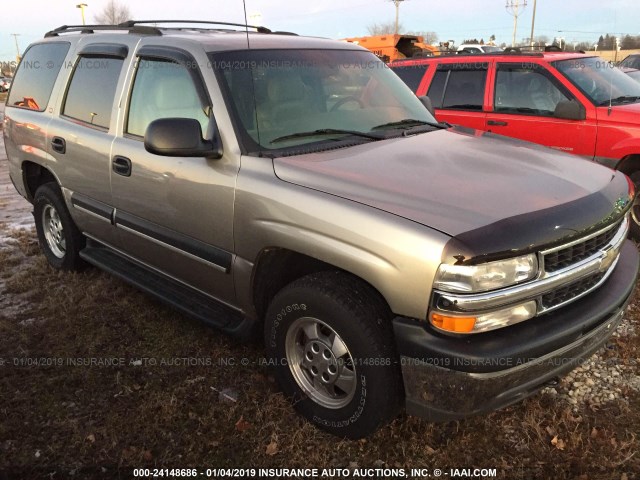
634 230
61 246
361 320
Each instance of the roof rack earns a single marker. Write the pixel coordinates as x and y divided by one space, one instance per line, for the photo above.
137 27
92 28
134 23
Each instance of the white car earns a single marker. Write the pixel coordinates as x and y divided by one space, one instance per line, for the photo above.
477 48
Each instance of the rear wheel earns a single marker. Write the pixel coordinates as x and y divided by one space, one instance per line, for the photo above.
59 238
329 336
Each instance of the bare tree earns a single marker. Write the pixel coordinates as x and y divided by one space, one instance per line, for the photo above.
383 28
113 13
430 38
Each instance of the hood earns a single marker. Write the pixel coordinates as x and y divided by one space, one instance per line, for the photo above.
461 180
620 114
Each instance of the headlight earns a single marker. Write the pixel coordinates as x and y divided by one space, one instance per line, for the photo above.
486 276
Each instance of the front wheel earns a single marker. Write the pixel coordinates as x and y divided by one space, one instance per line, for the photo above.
329 336
59 238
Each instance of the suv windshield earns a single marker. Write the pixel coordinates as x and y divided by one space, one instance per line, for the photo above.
600 81
632 61
288 98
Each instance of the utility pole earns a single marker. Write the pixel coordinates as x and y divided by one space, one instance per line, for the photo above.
533 21
513 8
82 6
15 37
397 4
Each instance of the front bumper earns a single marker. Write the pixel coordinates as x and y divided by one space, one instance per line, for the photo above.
447 377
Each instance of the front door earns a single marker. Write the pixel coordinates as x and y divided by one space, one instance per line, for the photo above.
173 214
524 101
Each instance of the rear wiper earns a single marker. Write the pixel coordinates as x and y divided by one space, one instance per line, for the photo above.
326 131
620 99
408 123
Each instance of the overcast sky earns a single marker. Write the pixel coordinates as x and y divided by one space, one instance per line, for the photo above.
453 19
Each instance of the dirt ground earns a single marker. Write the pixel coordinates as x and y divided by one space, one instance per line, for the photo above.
97 379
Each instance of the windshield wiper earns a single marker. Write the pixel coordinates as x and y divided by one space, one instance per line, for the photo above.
620 99
408 123
326 131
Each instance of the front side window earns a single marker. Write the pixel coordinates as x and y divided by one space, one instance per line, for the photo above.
459 87
164 89
525 91
279 98
36 75
600 81
92 90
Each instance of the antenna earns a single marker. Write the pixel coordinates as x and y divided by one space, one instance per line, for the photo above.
246 22
513 8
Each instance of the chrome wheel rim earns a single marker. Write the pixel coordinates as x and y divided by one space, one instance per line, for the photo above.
320 363
53 231
635 210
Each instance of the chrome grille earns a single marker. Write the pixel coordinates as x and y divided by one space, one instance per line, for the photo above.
570 292
570 255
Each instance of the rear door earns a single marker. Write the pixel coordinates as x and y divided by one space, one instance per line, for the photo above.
79 138
457 92
524 98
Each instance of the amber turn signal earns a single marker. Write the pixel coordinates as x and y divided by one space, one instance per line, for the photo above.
453 324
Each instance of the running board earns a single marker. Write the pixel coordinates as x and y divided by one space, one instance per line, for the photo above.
179 296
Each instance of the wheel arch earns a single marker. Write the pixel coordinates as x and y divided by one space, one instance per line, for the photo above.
34 175
629 164
277 267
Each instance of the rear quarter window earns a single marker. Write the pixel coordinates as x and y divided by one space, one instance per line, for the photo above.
459 86
411 75
33 83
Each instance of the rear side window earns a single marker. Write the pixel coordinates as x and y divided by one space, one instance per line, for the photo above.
34 80
411 75
458 87
92 90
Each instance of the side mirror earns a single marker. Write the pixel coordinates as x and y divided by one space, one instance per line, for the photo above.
570 110
426 101
180 137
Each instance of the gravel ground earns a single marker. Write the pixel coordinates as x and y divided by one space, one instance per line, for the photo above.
604 377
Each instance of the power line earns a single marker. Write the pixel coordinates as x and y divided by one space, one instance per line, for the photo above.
397 4
513 8
15 37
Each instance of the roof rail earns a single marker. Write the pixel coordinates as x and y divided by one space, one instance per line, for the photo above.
92 28
133 23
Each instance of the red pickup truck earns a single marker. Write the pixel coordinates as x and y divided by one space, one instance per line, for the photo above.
572 102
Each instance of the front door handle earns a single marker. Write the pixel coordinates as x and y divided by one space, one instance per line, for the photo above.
59 145
121 165
498 123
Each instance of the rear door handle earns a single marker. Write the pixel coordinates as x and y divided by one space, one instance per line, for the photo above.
498 123
59 145
121 165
